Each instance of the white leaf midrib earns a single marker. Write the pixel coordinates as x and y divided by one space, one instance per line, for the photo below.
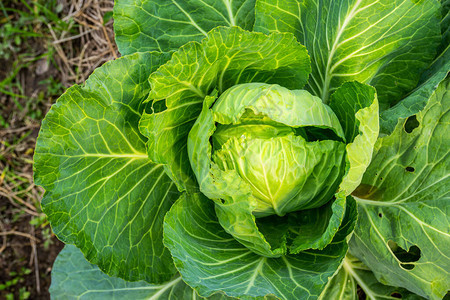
349 269
340 31
228 5
161 288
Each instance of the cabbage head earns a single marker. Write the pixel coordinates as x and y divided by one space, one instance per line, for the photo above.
286 146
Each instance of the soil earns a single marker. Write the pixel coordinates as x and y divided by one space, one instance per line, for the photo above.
19 258
27 251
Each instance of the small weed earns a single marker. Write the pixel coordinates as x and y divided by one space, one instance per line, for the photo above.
27 28
11 285
47 235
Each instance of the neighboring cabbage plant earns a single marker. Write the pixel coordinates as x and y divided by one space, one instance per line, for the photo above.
234 152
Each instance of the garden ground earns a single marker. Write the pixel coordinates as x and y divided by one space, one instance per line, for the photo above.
45 47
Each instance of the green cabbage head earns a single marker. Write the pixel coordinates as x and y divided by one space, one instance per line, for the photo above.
285 145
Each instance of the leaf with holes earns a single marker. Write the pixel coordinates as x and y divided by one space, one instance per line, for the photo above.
355 277
403 233
418 98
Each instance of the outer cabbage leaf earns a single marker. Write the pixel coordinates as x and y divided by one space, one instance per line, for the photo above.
445 26
211 260
315 228
406 186
75 278
384 43
344 285
429 81
149 25
228 56
232 195
356 106
418 98
103 194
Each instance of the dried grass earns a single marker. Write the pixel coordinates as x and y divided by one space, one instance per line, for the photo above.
82 53
86 44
